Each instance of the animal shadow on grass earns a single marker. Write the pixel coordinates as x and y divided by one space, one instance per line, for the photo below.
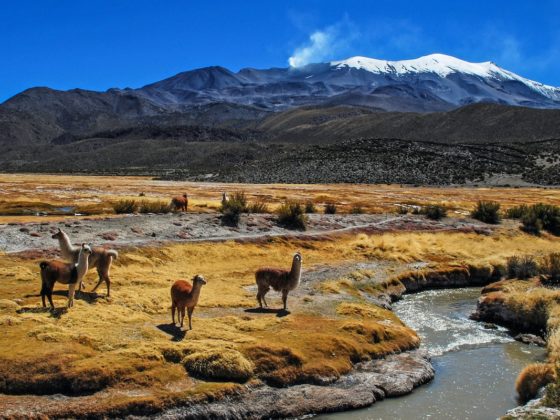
280 313
55 313
176 333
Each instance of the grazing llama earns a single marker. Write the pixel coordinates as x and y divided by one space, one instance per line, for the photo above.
180 203
279 279
184 295
99 258
65 273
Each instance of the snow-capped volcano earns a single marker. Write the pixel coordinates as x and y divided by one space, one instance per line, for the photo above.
442 65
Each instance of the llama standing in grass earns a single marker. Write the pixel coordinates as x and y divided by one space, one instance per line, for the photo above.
184 295
99 258
65 273
180 203
225 199
279 279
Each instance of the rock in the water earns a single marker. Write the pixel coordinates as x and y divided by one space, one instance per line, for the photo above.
531 339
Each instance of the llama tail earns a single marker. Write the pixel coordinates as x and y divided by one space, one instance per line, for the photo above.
113 253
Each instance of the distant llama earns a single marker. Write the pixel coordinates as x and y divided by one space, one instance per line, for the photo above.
180 203
186 295
100 258
225 199
65 273
279 279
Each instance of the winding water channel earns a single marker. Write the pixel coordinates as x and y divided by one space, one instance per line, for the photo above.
475 367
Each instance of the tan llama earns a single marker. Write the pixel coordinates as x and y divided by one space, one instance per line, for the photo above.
65 273
180 203
100 258
184 295
279 279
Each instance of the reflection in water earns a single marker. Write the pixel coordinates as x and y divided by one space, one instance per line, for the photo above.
475 367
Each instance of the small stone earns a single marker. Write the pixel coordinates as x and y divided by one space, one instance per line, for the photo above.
24 229
530 339
109 236
35 234
490 326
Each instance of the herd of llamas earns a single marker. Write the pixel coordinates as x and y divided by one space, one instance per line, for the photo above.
184 295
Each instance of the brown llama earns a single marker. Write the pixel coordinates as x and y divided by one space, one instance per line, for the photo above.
65 273
180 203
100 258
184 295
279 279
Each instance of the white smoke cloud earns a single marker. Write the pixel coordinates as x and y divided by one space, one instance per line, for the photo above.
325 44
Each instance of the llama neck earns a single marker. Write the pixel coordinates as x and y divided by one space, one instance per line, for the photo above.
195 292
66 246
295 273
82 264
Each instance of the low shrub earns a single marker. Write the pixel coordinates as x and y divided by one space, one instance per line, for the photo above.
533 378
402 210
125 206
435 212
516 212
537 217
521 267
550 267
154 207
291 216
310 207
231 209
356 210
219 365
487 212
330 208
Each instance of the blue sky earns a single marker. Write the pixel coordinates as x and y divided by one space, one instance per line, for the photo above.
128 43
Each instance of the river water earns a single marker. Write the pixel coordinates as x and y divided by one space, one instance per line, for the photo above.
475 367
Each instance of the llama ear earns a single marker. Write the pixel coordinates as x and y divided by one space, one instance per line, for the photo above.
59 230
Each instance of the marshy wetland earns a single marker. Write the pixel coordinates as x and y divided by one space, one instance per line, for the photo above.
120 355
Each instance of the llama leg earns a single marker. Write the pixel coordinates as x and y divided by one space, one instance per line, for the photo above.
71 292
284 298
173 307
49 295
265 291
108 282
97 285
182 316
189 312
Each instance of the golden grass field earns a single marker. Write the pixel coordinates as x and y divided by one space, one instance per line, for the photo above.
125 349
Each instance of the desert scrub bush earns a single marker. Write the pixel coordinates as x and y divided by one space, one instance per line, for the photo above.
516 212
146 206
231 210
435 212
487 212
521 267
219 365
291 216
125 206
258 207
402 210
532 378
550 267
356 210
310 207
330 208
552 394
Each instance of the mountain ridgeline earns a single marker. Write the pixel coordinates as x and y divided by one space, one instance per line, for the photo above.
433 120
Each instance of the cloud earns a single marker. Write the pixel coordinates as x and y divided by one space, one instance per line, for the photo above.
325 44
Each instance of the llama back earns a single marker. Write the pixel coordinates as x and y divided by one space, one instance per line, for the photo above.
276 278
179 290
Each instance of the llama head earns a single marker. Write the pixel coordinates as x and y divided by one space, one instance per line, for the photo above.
199 279
297 257
185 195
58 234
86 249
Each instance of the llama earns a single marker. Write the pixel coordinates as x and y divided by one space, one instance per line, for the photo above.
225 199
183 294
100 258
65 273
279 279
180 203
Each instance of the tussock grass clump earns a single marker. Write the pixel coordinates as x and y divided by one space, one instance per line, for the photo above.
146 206
402 210
487 212
330 208
521 267
231 210
435 212
516 212
125 206
291 216
258 207
276 365
532 378
219 365
537 217
310 207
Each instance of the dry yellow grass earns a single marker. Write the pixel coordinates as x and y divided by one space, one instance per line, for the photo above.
94 194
